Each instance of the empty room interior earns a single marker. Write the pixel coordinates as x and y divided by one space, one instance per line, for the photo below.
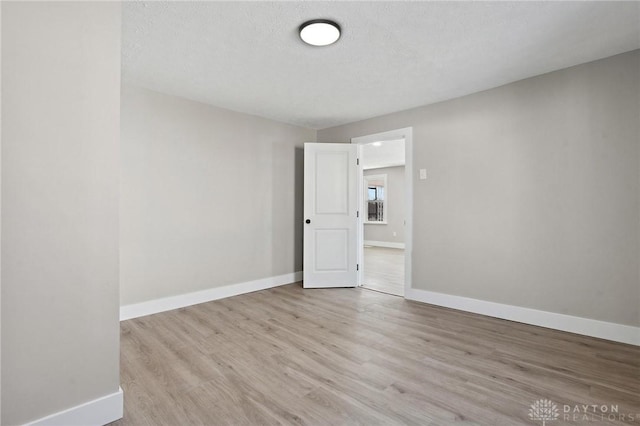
320 213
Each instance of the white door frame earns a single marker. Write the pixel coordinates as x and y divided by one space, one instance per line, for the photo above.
407 134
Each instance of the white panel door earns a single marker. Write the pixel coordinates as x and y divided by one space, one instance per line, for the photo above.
330 214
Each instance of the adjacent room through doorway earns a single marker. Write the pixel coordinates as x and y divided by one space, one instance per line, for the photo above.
383 164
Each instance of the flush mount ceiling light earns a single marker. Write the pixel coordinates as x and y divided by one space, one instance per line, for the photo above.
319 32
377 144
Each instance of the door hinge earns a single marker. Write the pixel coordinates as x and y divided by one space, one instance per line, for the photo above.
357 213
357 161
357 266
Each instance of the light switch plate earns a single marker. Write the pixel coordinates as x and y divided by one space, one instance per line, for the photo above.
423 174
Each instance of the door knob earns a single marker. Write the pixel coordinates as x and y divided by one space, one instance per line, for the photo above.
308 221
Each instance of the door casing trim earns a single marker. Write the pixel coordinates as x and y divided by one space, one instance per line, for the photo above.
407 134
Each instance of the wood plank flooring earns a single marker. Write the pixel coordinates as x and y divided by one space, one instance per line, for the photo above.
352 356
384 270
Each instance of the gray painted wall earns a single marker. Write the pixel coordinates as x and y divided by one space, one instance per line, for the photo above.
533 191
209 196
395 207
60 133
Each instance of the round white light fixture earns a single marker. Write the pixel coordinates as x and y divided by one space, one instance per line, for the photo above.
319 32
377 144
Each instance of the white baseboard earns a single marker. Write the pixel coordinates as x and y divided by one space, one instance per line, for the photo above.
588 327
384 244
180 301
98 412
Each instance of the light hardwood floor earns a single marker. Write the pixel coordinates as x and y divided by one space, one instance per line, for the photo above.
384 270
352 356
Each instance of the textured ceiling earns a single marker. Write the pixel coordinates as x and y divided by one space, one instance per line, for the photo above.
246 56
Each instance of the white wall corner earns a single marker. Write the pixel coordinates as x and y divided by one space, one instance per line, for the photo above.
384 244
182 300
98 412
585 326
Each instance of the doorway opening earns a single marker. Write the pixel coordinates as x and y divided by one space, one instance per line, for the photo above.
385 197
